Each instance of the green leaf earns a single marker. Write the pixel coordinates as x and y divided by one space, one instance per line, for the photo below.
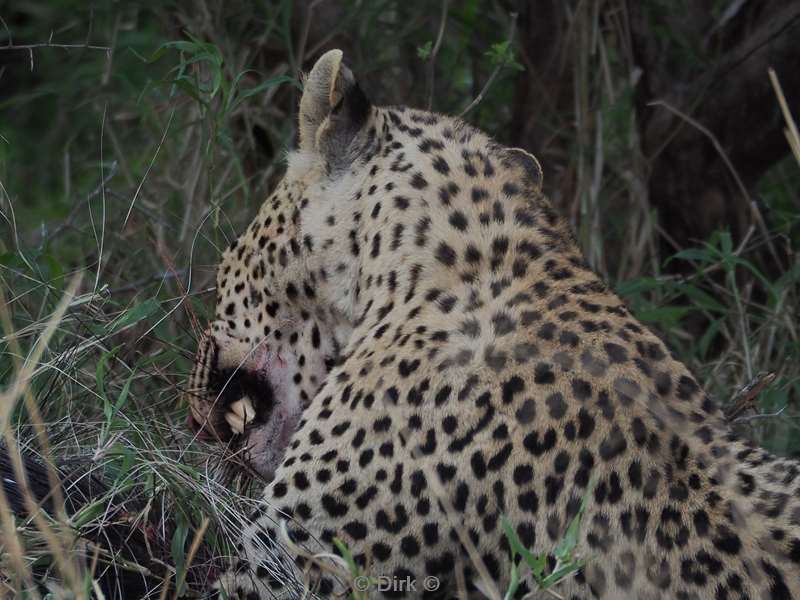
261 87
635 287
123 395
566 546
134 315
703 299
536 563
502 54
694 254
669 316
513 584
726 243
708 336
424 51
89 512
347 556
178 549
181 46
560 573
768 285
124 456
100 374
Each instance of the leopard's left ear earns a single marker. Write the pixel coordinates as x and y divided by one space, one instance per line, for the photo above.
333 108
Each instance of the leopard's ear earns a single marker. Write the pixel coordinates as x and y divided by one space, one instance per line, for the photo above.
526 168
333 108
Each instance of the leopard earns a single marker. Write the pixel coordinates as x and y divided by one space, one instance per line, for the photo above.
411 350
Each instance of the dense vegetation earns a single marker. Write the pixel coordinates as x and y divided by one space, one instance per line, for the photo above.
137 139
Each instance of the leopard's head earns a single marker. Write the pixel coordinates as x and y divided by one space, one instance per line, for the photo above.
286 294
374 207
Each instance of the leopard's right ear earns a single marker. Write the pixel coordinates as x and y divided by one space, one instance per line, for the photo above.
333 108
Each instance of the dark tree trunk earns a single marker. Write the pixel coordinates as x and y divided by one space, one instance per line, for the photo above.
700 118
543 96
691 183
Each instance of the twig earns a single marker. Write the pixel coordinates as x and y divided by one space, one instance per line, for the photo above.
8 31
739 183
198 538
694 123
495 72
137 285
30 47
112 171
728 14
149 166
101 241
776 414
435 51
745 398
791 127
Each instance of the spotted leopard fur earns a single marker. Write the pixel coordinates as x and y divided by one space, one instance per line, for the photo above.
407 313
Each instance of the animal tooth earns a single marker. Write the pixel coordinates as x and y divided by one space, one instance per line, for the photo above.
243 408
235 421
249 411
237 408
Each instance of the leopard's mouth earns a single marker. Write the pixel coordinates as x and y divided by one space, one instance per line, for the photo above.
245 398
253 406
238 400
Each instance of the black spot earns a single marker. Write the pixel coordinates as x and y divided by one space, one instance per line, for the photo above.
727 541
376 245
409 546
527 412
528 502
445 254
402 203
537 446
405 368
458 220
547 331
586 424
523 474
616 353
582 389
418 181
556 405
701 522
778 588
440 164
503 324
511 387
472 255
479 194
613 445
356 530
478 464
381 551
543 374
524 217
334 507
